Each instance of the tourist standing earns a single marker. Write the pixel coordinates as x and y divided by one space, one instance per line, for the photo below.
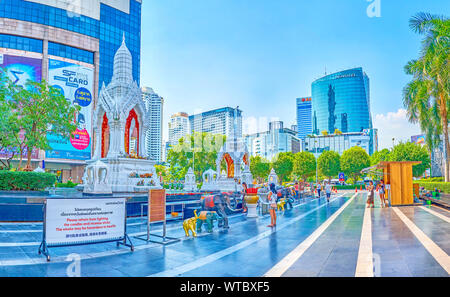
371 189
319 187
273 205
244 193
381 192
328 191
296 190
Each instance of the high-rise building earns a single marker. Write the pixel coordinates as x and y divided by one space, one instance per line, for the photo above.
178 127
341 101
71 44
276 140
317 144
153 140
304 117
218 121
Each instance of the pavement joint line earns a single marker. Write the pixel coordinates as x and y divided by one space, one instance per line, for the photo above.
447 219
60 259
364 265
436 252
281 267
218 255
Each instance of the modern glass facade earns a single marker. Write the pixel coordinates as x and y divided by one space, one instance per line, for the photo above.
108 29
341 101
317 144
272 142
80 36
304 117
218 121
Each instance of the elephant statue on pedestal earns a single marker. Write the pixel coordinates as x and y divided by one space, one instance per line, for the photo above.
218 203
207 217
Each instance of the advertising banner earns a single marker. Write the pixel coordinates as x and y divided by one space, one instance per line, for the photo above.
76 83
21 69
418 139
78 221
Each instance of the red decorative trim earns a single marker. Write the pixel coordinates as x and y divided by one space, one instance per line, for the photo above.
105 136
230 165
132 115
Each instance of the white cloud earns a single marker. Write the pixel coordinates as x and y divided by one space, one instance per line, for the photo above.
394 125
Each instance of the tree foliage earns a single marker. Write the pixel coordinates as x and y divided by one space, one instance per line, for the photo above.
29 113
304 165
426 97
329 164
284 165
201 145
353 161
260 168
412 152
379 156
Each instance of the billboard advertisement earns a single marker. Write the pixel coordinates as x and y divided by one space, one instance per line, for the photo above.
418 139
20 69
76 83
77 221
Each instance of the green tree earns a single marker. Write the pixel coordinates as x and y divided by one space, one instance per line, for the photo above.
426 97
8 123
260 168
40 109
201 145
379 156
412 152
284 165
162 171
304 165
329 164
353 161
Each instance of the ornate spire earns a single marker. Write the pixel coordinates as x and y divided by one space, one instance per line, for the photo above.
123 69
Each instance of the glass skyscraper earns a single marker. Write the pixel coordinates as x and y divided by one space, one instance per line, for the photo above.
304 117
341 101
63 42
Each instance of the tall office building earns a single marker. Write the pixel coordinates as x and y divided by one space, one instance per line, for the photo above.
276 140
317 144
218 121
178 127
304 117
71 44
341 101
153 140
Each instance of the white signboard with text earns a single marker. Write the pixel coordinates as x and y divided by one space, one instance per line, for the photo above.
79 221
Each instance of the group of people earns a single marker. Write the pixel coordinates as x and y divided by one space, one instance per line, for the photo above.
326 185
381 188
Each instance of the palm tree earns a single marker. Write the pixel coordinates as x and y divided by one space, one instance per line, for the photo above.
426 97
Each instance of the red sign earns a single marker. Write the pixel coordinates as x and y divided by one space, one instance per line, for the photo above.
156 205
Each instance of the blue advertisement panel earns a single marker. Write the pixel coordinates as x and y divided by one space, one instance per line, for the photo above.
76 83
20 69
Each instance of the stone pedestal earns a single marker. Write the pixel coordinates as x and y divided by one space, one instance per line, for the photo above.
124 174
97 179
252 202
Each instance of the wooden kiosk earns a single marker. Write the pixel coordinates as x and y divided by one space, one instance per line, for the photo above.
398 179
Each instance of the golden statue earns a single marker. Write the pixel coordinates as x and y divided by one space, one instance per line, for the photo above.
190 224
280 204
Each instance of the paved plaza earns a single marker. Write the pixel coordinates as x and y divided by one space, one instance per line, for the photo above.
315 238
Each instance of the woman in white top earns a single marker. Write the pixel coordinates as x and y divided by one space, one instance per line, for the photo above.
273 205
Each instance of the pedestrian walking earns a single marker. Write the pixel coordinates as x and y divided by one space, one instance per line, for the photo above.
319 188
273 205
328 191
370 199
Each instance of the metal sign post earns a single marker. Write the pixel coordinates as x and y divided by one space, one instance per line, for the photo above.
156 212
81 240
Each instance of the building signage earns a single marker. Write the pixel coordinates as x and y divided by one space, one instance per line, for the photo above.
76 83
78 221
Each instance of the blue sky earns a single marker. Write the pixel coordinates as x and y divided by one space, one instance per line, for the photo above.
262 54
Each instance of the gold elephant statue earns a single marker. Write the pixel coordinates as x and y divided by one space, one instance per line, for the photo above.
190 225
280 204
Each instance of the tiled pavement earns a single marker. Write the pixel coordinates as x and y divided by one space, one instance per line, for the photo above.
328 236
